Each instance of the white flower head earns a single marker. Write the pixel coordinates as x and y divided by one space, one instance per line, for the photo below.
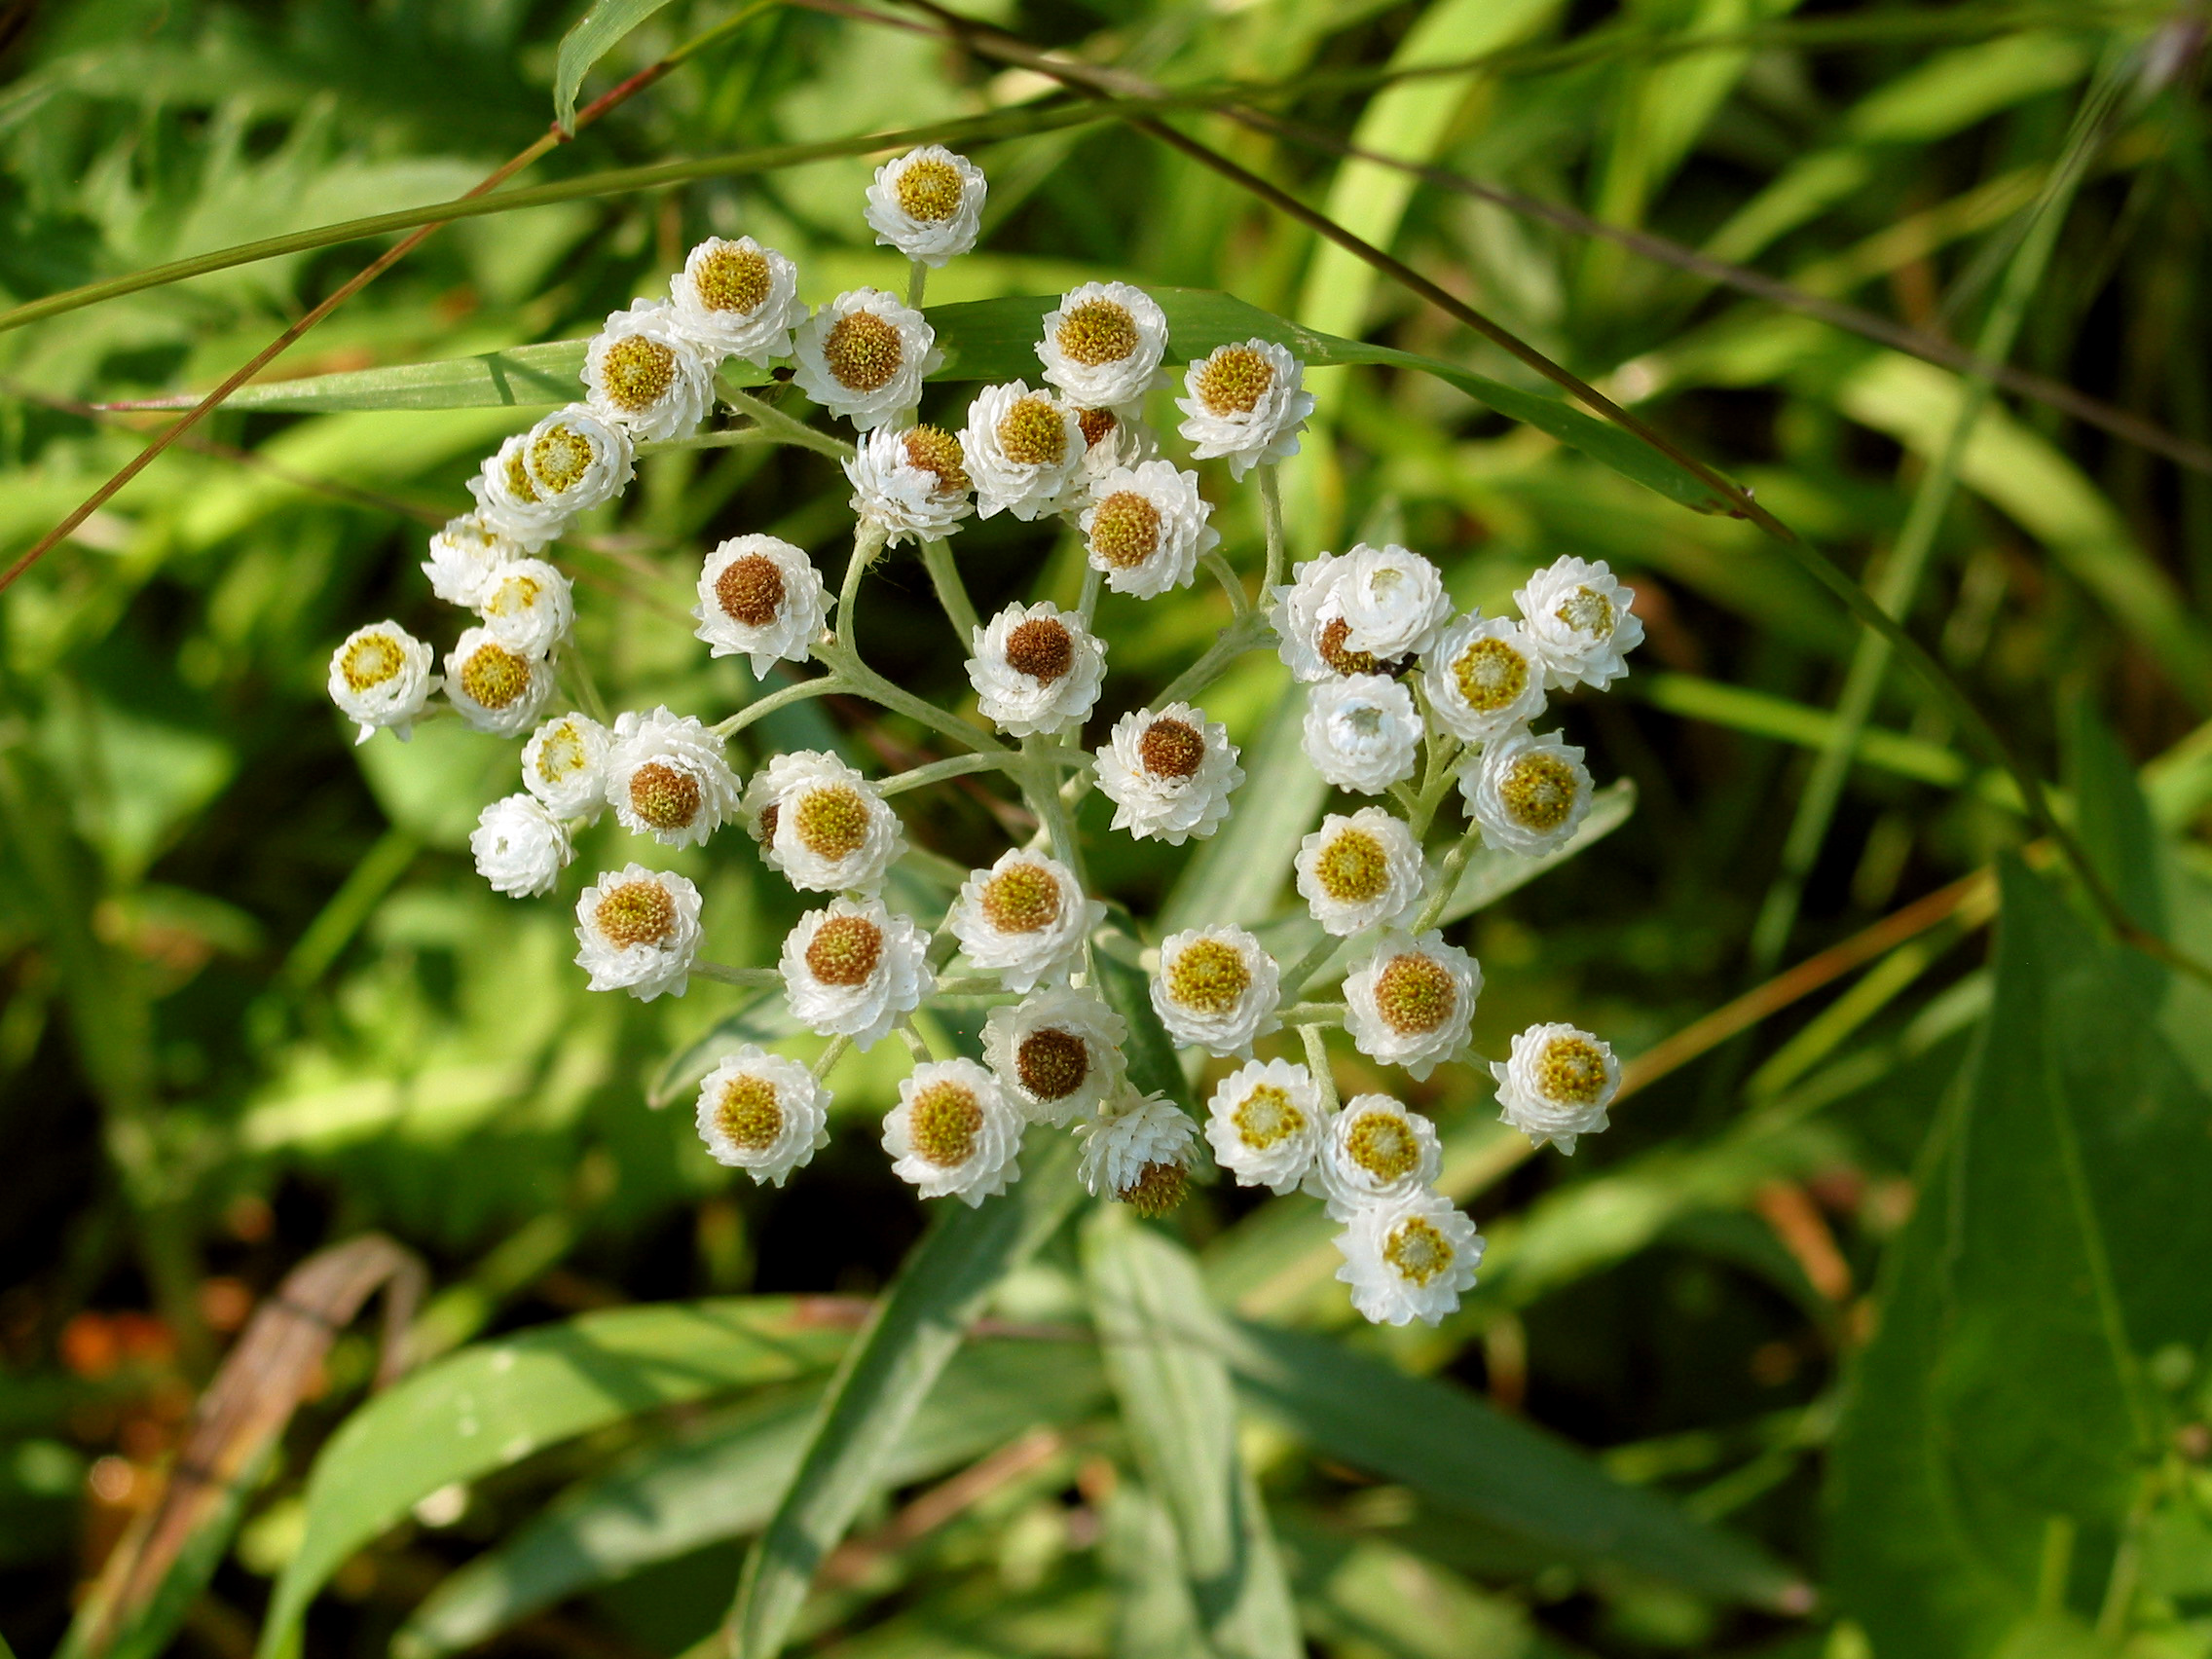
737 298
927 203
1362 732
1146 528
643 371
762 1114
497 688
636 930
1023 919
1264 1122
1556 1083
1411 1258
1036 670
666 778
1020 448
465 554
1576 616
1357 612
1483 679
1247 402
852 968
912 482
564 764
521 849
527 606
1360 872
508 502
1216 990
864 355
577 458
953 1133
1412 1002
1374 1150
1139 1151
759 598
1058 1052
381 676
1529 794
833 832
1104 343
1168 772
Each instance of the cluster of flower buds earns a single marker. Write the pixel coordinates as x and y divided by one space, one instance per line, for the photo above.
1405 699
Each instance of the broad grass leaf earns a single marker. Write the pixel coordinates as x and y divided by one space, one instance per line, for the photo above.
1154 1615
494 1404
590 38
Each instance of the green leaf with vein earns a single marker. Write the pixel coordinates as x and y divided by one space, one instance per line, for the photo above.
724 1478
1154 1615
918 1325
495 1404
589 39
1179 1407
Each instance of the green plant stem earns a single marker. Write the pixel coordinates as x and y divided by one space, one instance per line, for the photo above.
1314 1013
1271 523
1316 1040
1217 566
1448 879
1093 580
1234 641
758 979
826 685
1293 977
917 283
952 590
577 666
863 681
938 771
832 1054
868 542
780 426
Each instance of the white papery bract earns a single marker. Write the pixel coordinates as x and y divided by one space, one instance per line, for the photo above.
638 931
762 1114
521 849
1036 670
927 203
1409 1258
527 606
1576 614
564 764
1359 872
1216 990
1530 793
1411 1003
852 968
1020 449
1264 1122
833 832
759 598
1104 343
910 482
1146 527
1168 772
381 679
1130 1143
1024 919
508 502
1058 1052
666 778
465 554
738 299
578 459
1362 732
1375 1149
645 371
1246 402
1555 1085
1393 601
497 688
953 1133
1483 679
863 356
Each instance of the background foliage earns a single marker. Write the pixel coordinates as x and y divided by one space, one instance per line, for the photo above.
1895 1289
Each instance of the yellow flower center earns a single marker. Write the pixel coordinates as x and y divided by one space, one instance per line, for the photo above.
1157 1189
1384 1145
943 1123
1034 432
933 449
371 660
1233 381
560 459
1209 976
635 373
1125 530
1538 791
519 485
1491 674
513 596
1267 1117
1353 868
1098 331
563 754
493 676
845 950
733 279
1041 648
929 191
748 1113
1022 897
1417 1251
751 590
831 823
1573 1070
1416 993
1171 749
638 912
664 797
1053 1065
1587 612
862 351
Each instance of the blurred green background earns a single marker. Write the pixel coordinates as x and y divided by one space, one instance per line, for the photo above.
1904 1278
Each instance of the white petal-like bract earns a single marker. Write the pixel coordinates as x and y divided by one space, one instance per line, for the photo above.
1024 919
497 688
1020 448
927 203
1058 1052
527 606
1247 402
564 764
1362 732
521 849
1102 345
1037 669
1168 772
1216 990
1375 1149
1576 614
464 553
852 968
833 832
1483 679
379 677
1411 1258
1264 1122
645 372
1529 794
508 502
638 931
911 482
666 778
863 356
738 299
1145 527
1138 1151
1411 1003
1359 872
762 1114
1555 1083
578 459
759 598
953 1133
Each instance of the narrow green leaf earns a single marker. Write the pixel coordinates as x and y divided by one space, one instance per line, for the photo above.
589 39
1238 874
918 1325
495 1403
1163 1356
523 376
1150 1053
1490 874
1154 1616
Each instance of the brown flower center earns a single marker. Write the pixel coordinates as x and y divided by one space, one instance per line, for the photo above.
1267 1117
831 823
845 950
943 1123
638 912
1416 993
1052 1064
664 797
1538 791
1233 381
1573 1070
1034 432
751 590
1209 977
1097 426
929 191
493 676
769 815
1041 648
733 279
1490 674
371 661
1417 1251
1098 331
637 373
1171 749
1124 528
862 351
748 1113
1157 1189
1022 897
933 449
1332 652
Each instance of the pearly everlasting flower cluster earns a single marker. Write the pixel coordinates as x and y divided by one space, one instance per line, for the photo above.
1405 700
